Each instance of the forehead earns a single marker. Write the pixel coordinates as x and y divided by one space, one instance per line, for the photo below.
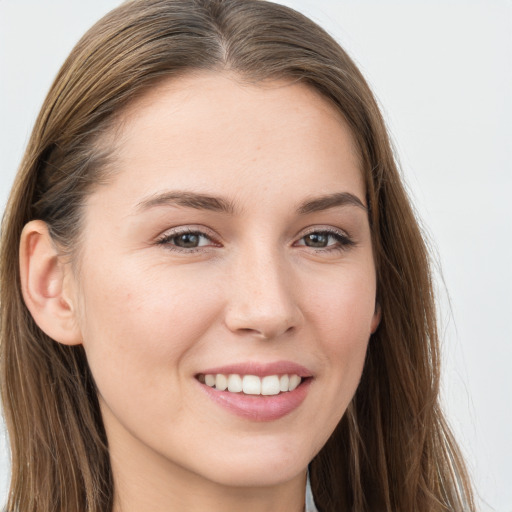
212 102
212 130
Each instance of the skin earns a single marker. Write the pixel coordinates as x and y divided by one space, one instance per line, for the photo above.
152 315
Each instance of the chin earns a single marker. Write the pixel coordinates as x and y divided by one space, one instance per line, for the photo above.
262 467
257 476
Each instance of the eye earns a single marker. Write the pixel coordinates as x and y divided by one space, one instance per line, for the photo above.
185 240
325 239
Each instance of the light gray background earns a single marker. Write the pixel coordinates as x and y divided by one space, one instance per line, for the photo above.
442 71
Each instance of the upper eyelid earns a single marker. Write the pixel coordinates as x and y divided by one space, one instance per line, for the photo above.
322 229
179 230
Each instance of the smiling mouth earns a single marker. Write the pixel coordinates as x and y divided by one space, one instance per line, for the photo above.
269 385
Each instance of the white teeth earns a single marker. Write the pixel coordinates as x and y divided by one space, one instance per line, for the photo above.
235 383
209 380
252 384
270 385
294 382
283 382
221 382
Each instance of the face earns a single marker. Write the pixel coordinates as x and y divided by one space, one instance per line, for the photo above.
231 247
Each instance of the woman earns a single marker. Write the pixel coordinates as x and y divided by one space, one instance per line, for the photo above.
212 280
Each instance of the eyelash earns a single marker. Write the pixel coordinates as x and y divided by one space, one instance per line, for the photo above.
343 241
167 239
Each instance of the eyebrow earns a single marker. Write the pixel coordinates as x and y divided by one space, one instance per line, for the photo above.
221 205
189 200
331 201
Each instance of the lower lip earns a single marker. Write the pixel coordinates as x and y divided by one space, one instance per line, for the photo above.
259 407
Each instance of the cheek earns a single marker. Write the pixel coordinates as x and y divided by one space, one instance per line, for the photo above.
343 306
125 300
342 311
137 327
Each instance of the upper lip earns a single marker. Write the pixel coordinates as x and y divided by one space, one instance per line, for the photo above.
260 369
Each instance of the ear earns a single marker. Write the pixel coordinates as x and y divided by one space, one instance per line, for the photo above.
377 315
45 284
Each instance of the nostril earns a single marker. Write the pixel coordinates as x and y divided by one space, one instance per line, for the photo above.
267 319
268 334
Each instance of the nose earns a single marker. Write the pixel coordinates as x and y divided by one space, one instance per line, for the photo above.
262 297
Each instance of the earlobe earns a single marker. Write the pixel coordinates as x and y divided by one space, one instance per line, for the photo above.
44 283
376 318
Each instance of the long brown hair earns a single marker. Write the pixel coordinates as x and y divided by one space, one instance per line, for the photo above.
392 451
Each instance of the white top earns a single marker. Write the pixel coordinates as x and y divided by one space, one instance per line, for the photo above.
310 503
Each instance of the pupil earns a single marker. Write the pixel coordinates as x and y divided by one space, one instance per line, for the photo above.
187 240
317 240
